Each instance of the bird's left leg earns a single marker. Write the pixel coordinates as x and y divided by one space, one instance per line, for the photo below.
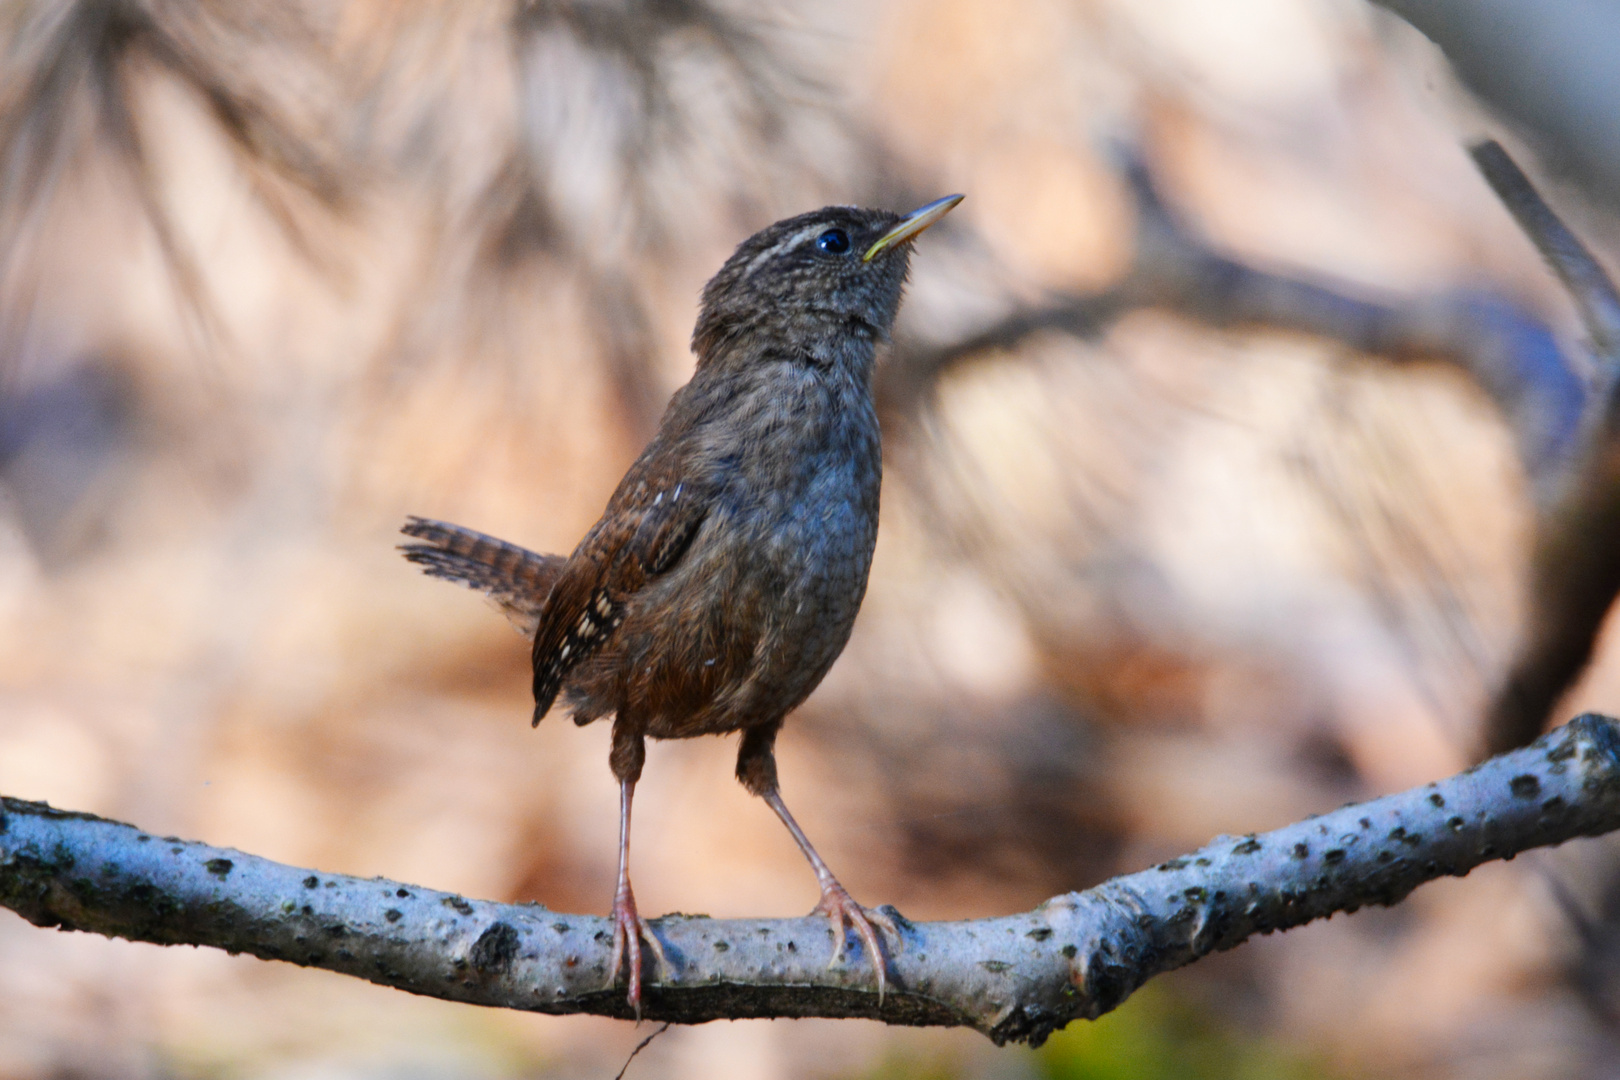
756 768
629 929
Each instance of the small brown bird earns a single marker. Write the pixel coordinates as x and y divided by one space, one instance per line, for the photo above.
724 576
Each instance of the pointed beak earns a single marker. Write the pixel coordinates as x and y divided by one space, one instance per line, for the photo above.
912 224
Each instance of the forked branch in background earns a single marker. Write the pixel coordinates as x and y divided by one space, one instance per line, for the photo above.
1511 354
1567 426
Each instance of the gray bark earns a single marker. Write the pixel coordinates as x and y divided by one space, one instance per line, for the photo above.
1019 977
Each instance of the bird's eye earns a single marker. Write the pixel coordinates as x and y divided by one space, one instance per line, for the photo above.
833 241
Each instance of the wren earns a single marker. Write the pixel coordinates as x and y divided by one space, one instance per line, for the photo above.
723 578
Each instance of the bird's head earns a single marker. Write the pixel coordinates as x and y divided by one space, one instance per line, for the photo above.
818 283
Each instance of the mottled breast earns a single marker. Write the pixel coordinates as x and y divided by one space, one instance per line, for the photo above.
764 599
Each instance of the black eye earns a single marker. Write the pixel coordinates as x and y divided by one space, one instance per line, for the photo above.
833 241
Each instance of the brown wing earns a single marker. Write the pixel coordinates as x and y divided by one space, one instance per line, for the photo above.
648 525
517 579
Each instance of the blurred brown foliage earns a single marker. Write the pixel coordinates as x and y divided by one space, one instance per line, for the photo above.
274 276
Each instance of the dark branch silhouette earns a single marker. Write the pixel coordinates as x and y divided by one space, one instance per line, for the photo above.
1576 574
1566 423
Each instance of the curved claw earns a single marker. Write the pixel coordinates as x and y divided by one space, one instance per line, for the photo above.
844 913
629 931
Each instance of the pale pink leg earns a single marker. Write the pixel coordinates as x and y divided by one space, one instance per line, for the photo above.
836 903
629 929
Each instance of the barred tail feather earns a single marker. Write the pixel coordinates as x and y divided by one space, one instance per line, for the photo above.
517 579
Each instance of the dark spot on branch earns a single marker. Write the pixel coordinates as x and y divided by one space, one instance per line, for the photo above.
893 913
1248 847
1437 799
1525 786
311 882
393 915
458 903
220 868
495 949
1333 855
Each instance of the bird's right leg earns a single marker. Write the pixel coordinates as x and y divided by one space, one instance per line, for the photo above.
629 929
756 768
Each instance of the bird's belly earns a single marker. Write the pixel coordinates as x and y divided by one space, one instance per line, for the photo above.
763 618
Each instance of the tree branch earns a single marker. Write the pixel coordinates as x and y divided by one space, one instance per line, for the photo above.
1583 276
1014 978
1568 432
1513 356
1576 576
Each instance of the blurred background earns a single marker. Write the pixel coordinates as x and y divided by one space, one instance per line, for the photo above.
1241 462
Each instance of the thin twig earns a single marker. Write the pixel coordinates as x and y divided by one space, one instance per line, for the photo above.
1588 283
640 1046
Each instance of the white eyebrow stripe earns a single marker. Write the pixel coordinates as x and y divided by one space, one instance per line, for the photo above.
785 244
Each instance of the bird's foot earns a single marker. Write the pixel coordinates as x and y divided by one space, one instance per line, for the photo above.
629 931
844 913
